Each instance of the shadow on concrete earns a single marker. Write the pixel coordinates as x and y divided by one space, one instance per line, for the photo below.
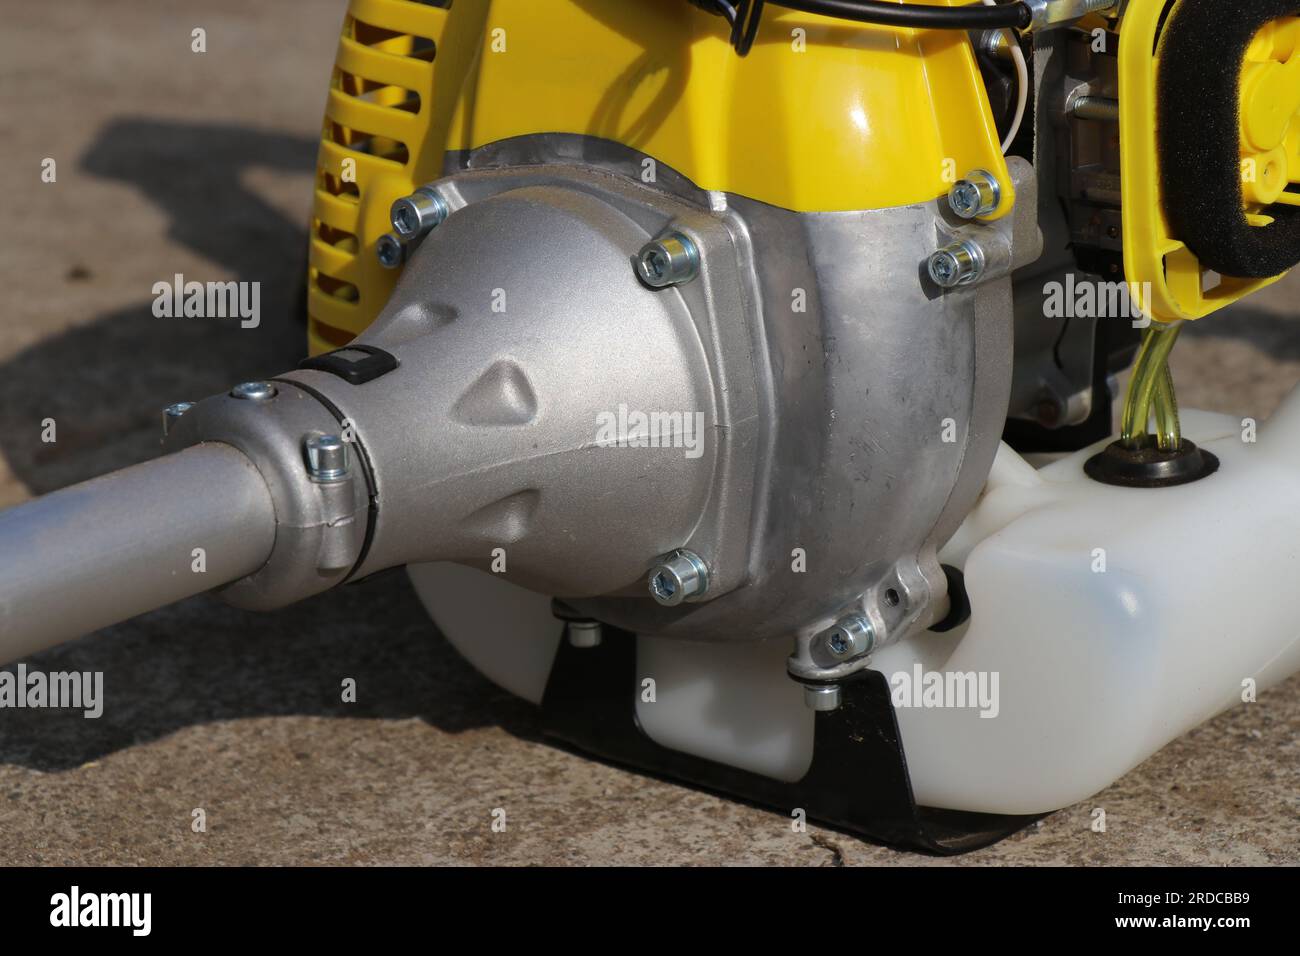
105 383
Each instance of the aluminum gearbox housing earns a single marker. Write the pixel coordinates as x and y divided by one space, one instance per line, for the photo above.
588 377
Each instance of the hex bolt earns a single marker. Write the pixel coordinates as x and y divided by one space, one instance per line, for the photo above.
848 637
821 697
677 578
390 251
415 215
254 391
998 43
327 458
585 633
172 414
975 196
958 264
672 260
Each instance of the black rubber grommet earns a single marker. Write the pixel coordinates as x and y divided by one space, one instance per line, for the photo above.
1148 467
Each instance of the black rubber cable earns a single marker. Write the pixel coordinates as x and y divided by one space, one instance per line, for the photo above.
975 17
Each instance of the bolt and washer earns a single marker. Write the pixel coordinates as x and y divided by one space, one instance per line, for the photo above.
958 264
677 578
585 633
975 196
327 458
254 391
848 637
390 251
172 414
415 215
822 697
671 260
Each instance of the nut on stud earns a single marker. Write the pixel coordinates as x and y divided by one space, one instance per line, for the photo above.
821 697
415 215
585 633
956 265
681 576
975 196
672 260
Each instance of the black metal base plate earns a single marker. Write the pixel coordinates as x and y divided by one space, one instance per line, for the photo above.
858 781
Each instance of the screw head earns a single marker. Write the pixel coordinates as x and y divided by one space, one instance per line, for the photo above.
327 458
821 697
679 577
956 265
172 414
254 391
848 637
672 260
414 215
975 196
390 251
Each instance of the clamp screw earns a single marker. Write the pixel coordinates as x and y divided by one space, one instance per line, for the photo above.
327 458
672 260
415 215
254 391
172 414
975 196
390 251
679 577
955 265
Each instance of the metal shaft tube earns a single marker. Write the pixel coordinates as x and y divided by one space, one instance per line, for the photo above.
107 549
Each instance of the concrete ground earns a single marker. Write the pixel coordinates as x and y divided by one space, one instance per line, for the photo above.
170 161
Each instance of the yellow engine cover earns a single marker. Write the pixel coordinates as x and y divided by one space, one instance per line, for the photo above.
822 115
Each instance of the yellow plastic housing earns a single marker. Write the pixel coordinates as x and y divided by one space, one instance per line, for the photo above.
1171 283
822 115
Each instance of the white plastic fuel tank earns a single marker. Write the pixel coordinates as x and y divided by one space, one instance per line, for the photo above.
1105 622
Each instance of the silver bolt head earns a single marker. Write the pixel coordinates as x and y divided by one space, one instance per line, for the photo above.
975 196
956 265
254 391
327 457
669 261
821 697
848 637
172 414
679 577
390 251
585 633
414 215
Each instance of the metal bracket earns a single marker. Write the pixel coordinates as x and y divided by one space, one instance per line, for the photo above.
858 780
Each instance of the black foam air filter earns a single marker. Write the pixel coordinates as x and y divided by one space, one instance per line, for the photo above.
1202 51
